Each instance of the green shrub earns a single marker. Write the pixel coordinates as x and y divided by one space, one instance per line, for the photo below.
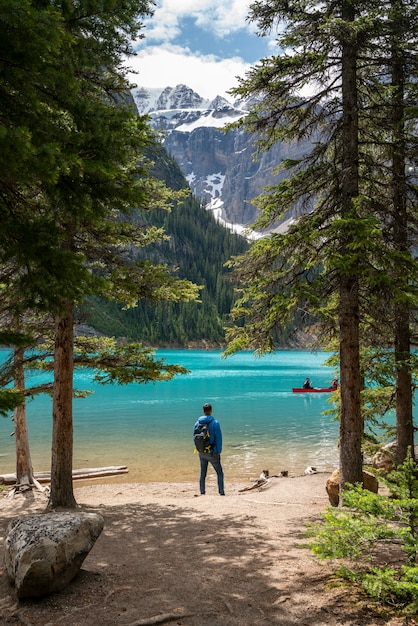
371 529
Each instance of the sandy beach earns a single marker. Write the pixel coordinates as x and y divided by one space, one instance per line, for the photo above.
167 555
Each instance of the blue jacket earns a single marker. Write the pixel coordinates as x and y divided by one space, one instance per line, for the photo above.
215 433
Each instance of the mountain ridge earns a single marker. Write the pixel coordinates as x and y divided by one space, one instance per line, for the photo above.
220 167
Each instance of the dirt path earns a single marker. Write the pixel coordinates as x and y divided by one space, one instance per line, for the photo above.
197 561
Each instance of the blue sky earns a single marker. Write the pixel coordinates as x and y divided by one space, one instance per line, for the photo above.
204 44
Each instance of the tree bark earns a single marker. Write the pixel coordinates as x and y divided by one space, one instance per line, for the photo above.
351 421
404 403
24 470
404 393
62 494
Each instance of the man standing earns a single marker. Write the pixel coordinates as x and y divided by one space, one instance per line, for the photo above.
213 455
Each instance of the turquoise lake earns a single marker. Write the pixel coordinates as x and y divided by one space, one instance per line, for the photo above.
149 427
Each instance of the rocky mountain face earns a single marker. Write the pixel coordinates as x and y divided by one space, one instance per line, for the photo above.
221 168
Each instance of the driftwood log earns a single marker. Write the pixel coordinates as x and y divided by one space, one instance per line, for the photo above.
159 619
91 472
263 481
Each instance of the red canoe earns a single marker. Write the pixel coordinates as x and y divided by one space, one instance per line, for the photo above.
314 390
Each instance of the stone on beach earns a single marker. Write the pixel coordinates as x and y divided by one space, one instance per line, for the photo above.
43 553
333 485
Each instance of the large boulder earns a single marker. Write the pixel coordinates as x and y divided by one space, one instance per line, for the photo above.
333 485
385 458
43 553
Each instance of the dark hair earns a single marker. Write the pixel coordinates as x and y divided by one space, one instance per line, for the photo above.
207 407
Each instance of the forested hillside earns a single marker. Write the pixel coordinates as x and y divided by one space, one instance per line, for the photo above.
198 247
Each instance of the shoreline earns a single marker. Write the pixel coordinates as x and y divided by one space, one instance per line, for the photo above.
296 490
168 466
122 487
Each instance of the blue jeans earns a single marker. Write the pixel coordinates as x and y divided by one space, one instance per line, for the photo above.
215 459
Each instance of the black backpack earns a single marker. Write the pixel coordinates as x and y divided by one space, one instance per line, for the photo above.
201 437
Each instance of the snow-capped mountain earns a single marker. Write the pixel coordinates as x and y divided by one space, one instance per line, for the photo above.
219 166
183 109
168 98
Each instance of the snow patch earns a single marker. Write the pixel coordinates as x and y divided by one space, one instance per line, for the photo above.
190 178
214 184
215 205
209 120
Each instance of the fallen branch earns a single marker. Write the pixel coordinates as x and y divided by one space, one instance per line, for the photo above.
159 619
263 481
39 486
257 485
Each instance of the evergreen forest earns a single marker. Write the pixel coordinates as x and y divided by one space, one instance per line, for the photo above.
198 246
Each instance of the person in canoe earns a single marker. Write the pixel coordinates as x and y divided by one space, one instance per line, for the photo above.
307 384
334 384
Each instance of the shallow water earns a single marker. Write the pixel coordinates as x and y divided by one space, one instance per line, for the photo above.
149 427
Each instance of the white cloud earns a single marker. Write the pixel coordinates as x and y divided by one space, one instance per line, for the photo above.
164 58
224 18
163 66
216 16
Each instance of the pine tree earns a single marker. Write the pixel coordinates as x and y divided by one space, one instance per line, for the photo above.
93 201
402 144
345 80
324 41
68 231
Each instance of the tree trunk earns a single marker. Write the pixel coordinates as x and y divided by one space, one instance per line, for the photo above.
351 420
404 403
62 430
404 393
24 470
